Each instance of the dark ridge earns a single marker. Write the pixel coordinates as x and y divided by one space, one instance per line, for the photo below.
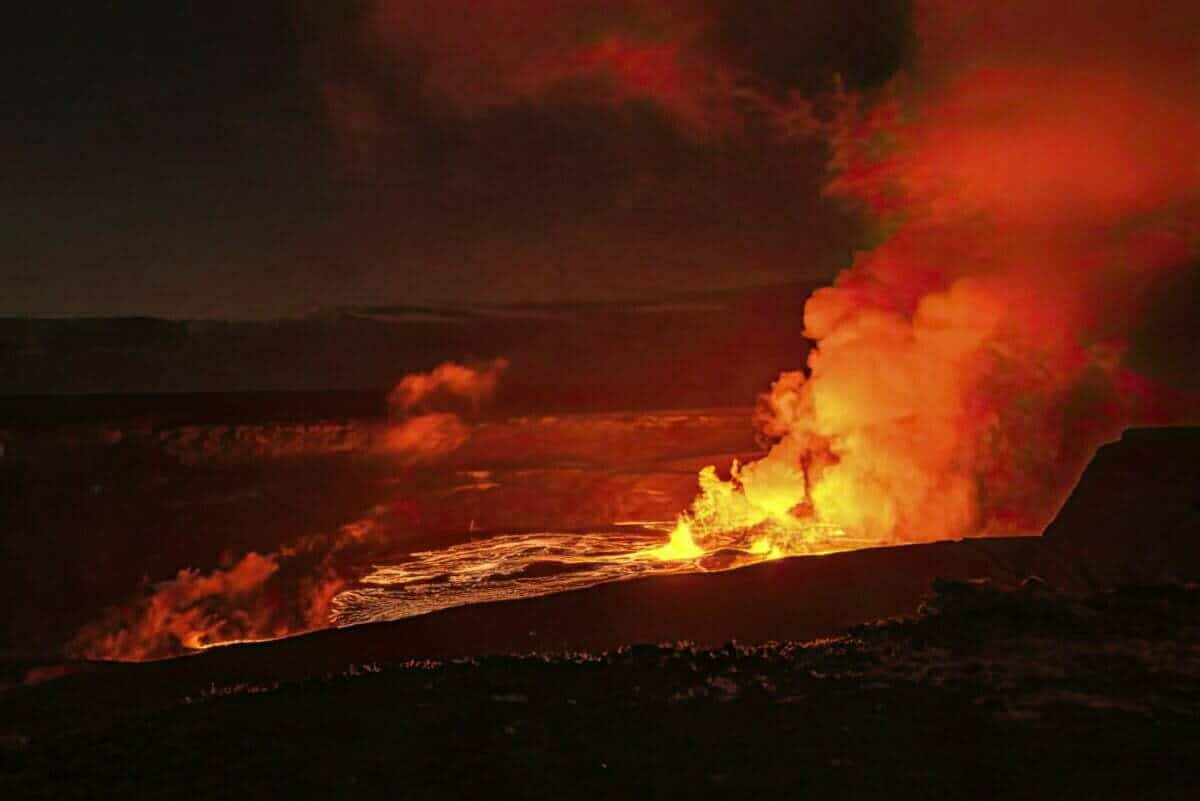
190 408
564 357
1148 481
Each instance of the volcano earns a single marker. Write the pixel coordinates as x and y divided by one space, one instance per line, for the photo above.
653 398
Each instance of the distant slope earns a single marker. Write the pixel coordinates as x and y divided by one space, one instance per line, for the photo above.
693 349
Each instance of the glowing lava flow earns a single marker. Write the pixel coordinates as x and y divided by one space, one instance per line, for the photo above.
511 566
755 516
501 567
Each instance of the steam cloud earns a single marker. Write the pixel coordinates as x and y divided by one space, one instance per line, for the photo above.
291 589
432 407
448 384
1034 178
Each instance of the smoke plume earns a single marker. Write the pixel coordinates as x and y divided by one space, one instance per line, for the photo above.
433 409
291 589
447 385
1033 178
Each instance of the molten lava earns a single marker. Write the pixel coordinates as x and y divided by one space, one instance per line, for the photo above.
758 511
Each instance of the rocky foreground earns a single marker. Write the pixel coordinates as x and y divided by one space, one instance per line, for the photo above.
983 693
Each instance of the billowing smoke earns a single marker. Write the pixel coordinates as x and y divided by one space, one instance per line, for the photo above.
433 409
1033 179
291 590
447 386
257 597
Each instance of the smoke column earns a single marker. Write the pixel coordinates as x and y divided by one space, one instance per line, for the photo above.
1033 178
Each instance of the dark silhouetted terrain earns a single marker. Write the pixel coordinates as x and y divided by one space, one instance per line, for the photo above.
985 694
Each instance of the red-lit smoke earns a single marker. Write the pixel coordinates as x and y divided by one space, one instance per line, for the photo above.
479 55
1032 178
290 590
433 409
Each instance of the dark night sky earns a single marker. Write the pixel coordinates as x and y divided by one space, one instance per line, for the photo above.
263 159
